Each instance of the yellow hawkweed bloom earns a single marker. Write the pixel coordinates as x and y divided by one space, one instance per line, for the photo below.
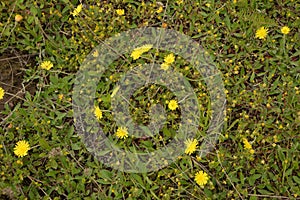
98 113
77 10
165 66
18 18
160 9
2 92
201 178
95 54
137 52
21 148
261 33
173 105
122 132
47 65
285 30
169 59
120 12
191 146
247 145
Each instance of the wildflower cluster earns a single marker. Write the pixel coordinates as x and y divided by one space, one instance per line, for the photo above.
262 32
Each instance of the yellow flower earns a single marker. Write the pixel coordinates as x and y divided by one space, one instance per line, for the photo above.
60 96
122 132
137 52
95 54
179 2
18 18
173 105
247 145
2 92
285 30
261 33
19 162
145 47
201 178
165 66
120 12
191 146
160 9
98 113
77 10
21 148
47 65
169 58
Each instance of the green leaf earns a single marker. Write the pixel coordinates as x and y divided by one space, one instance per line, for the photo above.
265 192
33 10
105 174
253 178
30 19
53 163
281 154
76 146
296 179
138 179
44 144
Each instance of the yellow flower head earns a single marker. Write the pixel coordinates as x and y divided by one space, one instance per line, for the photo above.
145 48
165 66
95 54
179 2
169 58
120 12
137 52
201 178
98 113
47 65
191 146
2 92
19 162
122 132
247 145
160 9
18 18
60 96
173 105
261 33
77 10
285 30
21 148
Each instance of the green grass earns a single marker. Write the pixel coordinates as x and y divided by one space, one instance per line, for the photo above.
262 84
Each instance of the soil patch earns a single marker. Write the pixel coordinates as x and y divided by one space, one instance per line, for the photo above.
12 67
